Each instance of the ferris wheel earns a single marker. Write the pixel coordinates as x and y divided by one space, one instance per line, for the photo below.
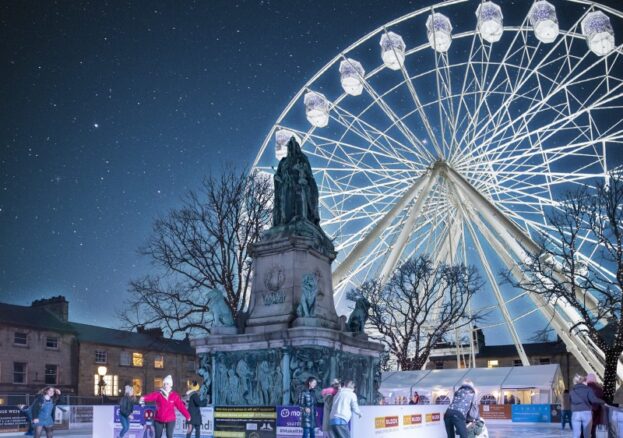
454 134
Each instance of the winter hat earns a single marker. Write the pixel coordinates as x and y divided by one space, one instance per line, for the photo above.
168 379
591 378
194 386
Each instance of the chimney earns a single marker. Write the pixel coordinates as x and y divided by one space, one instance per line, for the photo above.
154 332
57 306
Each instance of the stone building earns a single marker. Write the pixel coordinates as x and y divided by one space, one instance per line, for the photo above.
41 347
38 347
493 356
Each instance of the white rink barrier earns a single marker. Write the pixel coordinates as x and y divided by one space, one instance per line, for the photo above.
400 421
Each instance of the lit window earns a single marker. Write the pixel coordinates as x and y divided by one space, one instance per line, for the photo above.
101 356
137 384
137 359
157 383
19 372
159 361
124 359
110 388
20 339
493 363
51 342
51 375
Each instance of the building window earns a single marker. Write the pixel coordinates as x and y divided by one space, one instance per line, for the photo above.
101 356
137 385
51 342
137 359
21 339
124 359
439 365
544 361
51 374
157 383
517 363
110 388
493 363
159 361
19 372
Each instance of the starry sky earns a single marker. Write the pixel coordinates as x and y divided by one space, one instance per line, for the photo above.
111 111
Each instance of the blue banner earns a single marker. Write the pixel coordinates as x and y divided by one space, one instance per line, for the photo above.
532 413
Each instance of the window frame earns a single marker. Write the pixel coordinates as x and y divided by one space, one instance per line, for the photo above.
46 375
125 354
137 357
24 373
156 361
52 347
103 353
19 344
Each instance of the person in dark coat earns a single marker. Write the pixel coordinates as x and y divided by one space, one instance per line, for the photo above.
598 410
126 407
582 401
462 409
43 410
307 403
565 416
194 409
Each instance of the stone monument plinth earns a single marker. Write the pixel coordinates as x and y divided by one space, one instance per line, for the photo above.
292 330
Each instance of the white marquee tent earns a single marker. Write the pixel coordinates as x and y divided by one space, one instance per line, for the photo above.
534 384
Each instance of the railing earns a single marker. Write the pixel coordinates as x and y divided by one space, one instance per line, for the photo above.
65 399
615 421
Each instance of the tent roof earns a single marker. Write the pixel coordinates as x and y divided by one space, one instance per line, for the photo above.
535 376
538 376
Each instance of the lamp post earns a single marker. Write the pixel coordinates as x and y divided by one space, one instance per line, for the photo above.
101 371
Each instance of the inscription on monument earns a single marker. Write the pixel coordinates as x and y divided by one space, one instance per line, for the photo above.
274 298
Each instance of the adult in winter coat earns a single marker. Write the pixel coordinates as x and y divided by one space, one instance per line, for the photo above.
43 411
582 401
462 409
166 401
344 404
307 403
126 407
327 398
194 409
598 410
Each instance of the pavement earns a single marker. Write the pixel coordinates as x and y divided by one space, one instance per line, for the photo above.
496 430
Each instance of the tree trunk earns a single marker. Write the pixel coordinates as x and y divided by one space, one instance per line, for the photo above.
610 374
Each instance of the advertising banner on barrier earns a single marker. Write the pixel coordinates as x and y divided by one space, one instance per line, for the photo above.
12 420
495 412
412 421
531 413
245 421
141 423
289 422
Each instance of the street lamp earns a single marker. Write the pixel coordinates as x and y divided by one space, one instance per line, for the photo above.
101 371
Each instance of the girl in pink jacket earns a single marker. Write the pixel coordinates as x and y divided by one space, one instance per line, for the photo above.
166 401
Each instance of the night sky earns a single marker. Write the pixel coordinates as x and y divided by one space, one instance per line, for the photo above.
111 111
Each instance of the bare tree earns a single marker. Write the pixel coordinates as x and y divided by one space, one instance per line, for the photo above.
558 271
417 306
201 246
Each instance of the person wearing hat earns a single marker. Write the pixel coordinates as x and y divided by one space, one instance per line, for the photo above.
327 398
166 401
194 405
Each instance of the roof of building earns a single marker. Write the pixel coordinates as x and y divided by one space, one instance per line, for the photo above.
122 338
39 318
497 351
33 317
